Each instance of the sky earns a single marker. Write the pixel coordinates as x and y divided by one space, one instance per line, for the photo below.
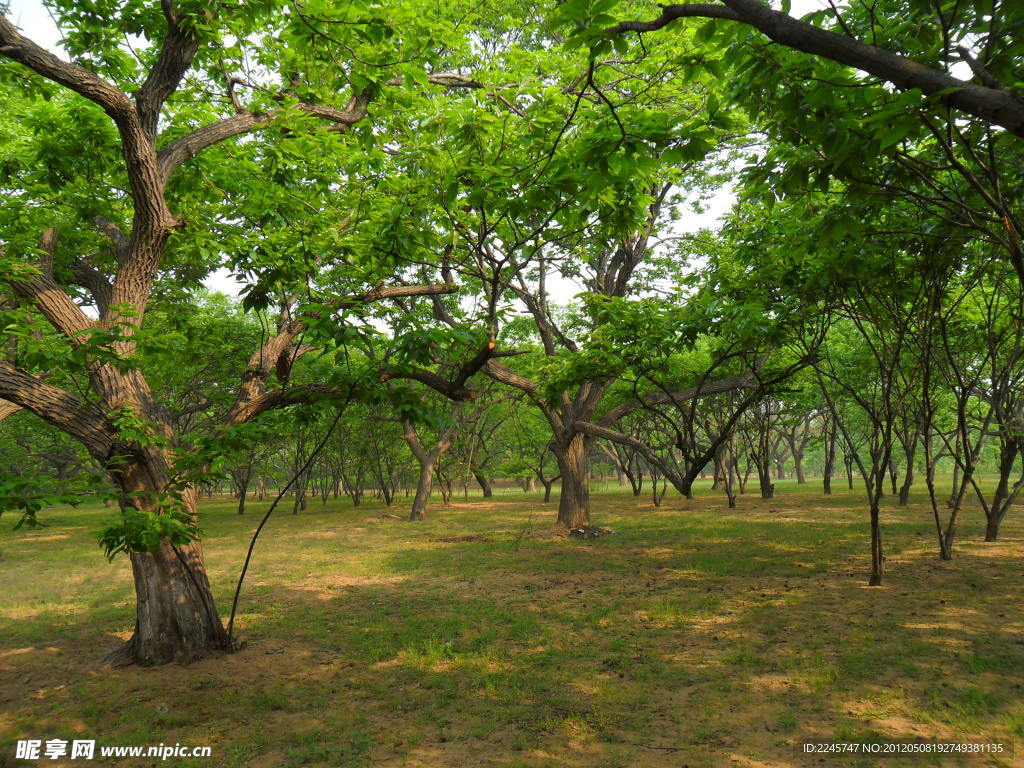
35 22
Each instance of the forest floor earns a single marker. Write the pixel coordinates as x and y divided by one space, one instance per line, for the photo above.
691 635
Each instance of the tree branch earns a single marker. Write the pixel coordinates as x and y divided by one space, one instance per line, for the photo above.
49 298
454 388
994 105
252 387
67 412
118 241
81 81
176 55
670 13
506 375
87 276
172 156
748 380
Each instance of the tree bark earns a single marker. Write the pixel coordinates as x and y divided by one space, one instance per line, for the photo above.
424 484
176 617
574 466
484 483
798 467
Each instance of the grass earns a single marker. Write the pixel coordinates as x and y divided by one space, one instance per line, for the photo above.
692 635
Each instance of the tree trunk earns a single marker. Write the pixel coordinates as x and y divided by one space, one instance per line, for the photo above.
830 463
719 480
780 466
877 560
574 500
243 486
485 484
547 485
764 477
908 480
176 618
1004 496
992 523
730 479
423 488
445 485
798 467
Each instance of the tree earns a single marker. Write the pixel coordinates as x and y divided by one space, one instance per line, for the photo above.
143 143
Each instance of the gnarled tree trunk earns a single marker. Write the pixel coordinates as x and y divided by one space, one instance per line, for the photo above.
176 617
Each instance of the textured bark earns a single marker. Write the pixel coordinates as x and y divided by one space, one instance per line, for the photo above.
574 466
176 617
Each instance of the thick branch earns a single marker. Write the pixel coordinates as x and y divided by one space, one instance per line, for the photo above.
118 241
670 13
65 411
181 150
87 276
454 388
301 394
746 380
176 55
394 292
415 445
994 105
274 352
81 81
49 298
604 433
506 375
8 408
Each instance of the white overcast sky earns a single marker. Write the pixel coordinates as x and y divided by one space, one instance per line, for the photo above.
35 22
